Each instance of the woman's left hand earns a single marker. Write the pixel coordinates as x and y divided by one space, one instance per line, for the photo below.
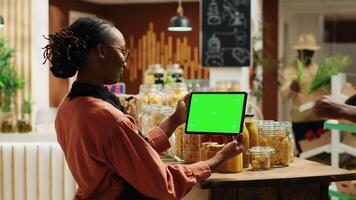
180 114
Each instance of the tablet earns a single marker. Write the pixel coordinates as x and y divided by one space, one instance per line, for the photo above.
216 113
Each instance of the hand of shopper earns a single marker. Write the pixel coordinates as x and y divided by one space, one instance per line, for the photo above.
327 107
294 86
180 113
351 100
230 150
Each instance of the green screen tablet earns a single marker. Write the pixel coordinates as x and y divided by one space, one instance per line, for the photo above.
216 113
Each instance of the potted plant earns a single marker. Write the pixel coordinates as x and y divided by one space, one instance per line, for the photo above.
9 84
24 123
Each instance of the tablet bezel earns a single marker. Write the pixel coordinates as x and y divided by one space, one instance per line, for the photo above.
217 133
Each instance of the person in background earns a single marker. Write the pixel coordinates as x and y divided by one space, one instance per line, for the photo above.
306 125
328 108
107 155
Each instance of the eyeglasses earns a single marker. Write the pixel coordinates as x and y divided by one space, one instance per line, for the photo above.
124 51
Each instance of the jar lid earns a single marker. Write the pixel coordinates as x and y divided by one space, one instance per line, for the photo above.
261 149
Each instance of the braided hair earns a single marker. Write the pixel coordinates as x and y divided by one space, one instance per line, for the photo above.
67 49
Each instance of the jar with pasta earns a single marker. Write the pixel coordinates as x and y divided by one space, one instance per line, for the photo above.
179 141
151 95
275 136
203 150
212 150
165 113
179 91
260 157
152 118
191 146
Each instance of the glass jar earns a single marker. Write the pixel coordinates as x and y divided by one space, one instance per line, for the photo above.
246 146
291 137
252 131
275 136
151 95
151 118
221 86
175 74
154 74
203 150
260 124
233 165
179 91
179 140
260 157
235 86
212 150
165 113
141 116
191 145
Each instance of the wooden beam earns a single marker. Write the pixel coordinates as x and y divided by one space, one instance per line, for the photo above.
270 50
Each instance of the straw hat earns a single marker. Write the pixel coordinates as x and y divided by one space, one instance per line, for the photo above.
306 41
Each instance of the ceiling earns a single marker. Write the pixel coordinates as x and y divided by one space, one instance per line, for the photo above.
135 1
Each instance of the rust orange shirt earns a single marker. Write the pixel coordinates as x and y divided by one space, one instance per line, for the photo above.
102 148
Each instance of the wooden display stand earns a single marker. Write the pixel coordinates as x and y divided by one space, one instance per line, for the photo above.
301 180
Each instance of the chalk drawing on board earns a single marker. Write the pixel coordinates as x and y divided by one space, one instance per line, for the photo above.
213 14
228 9
240 38
237 19
240 54
240 2
214 56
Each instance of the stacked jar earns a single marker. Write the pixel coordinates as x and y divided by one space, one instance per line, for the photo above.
154 74
179 91
175 74
165 113
148 95
151 118
275 136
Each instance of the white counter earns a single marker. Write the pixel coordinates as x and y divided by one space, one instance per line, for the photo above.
28 137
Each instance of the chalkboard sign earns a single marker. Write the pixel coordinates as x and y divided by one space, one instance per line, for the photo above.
225 33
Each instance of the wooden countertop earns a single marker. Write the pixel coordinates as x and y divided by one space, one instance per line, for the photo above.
300 171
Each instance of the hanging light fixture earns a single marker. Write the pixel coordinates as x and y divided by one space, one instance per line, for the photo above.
2 23
180 22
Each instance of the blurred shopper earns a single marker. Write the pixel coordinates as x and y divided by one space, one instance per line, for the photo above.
296 88
107 155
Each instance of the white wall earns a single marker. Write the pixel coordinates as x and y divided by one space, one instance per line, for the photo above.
40 78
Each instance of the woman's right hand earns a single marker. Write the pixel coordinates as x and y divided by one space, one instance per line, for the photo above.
230 150
294 86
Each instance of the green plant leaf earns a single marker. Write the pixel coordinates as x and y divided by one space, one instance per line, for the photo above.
328 67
